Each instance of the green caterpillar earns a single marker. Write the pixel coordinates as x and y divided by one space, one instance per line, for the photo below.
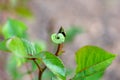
59 37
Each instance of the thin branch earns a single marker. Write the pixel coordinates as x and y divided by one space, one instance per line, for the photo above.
44 69
59 49
37 65
31 58
40 70
39 75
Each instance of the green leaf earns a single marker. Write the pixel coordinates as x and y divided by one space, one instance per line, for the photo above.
33 48
92 62
23 47
16 46
14 28
30 47
54 64
3 46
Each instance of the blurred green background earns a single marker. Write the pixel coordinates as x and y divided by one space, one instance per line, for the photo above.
94 22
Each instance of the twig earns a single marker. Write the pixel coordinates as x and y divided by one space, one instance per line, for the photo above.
40 70
31 58
59 49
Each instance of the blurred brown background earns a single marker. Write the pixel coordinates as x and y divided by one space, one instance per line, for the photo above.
99 18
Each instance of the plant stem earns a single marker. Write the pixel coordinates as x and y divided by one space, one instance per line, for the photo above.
40 70
37 65
31 58
39 75
59 49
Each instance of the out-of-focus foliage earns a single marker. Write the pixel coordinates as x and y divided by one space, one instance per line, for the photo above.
0 30
72 32
16 7
16 46
14 28
14 33
23 11
12 68
3 46
30 48
39 46
91 62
